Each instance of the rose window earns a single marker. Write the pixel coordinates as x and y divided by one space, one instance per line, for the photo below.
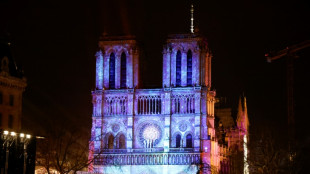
150 135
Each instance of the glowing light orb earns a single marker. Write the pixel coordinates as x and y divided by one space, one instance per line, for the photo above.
151 133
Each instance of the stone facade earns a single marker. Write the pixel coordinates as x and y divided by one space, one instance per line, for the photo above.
173 126
12 85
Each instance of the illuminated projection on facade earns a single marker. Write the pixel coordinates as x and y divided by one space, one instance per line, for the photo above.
164 130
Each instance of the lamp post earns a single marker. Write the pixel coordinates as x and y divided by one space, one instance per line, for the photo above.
25 140
8 139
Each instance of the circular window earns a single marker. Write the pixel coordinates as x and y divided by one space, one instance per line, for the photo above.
115 127
183 126
150 132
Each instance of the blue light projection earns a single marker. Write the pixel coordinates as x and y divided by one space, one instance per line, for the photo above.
99 70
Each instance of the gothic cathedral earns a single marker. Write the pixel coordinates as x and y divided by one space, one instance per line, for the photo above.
165 130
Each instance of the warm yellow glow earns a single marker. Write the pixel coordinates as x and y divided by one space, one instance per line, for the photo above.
13 133
192 18
245 151
28 136
22 135
6 132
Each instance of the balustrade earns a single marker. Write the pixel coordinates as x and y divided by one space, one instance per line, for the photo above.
148 159
155 149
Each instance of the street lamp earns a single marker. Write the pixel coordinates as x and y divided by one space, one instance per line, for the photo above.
24 140
8 139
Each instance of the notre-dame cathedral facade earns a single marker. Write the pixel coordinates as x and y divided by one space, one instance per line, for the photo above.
164 130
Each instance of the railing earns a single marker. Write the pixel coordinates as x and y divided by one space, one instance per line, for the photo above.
184 149
148 159
155 149
105 151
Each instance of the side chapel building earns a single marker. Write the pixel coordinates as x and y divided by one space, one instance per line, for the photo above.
12 86
164 130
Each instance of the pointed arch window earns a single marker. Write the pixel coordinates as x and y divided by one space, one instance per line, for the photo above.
178 141
189 67
189 142
112 71
123 70
122 142
111 142
178 68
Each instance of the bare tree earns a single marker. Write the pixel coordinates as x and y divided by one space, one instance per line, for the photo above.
63 150
266 152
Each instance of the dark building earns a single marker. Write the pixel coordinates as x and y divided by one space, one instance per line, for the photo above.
17 150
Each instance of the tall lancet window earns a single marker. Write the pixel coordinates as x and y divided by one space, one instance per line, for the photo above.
112 71
123 70
111 142
178 141
189 68
122 142
178 69
189 141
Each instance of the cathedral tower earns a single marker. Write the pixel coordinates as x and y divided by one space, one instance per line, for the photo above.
117 64
186 61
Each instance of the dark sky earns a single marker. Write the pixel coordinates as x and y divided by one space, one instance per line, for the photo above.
55 41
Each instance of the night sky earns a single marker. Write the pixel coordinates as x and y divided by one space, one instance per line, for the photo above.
55 43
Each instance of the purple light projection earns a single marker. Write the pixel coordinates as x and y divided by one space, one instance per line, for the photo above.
151 119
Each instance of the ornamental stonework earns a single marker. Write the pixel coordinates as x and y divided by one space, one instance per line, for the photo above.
115 128
182 127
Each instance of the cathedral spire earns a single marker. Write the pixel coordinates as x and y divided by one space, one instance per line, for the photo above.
192 19
242 116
